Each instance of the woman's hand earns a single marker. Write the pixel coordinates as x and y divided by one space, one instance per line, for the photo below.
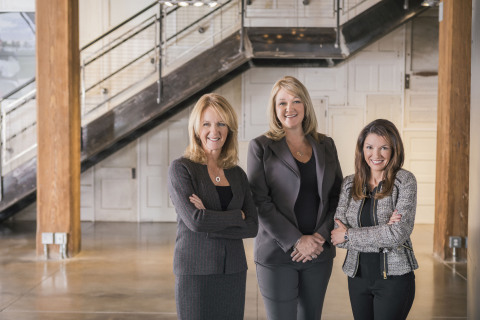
396 217
338 234
197 202
308 248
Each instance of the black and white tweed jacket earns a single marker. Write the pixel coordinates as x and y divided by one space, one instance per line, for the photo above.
391 240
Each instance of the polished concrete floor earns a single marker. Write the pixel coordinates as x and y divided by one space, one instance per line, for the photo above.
125 272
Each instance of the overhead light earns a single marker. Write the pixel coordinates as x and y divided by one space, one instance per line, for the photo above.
430 3
186 3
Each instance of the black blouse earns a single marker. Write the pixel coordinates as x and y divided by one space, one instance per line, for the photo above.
369 266
308 200
225 194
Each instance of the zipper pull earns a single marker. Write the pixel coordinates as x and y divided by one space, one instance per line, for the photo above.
384 274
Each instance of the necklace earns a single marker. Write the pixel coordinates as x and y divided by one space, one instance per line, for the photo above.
216 175
300 154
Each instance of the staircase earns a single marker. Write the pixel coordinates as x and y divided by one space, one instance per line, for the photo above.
318 47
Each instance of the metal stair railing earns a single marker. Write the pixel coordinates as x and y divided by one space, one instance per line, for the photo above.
128 58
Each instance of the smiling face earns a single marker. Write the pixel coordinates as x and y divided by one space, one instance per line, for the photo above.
377 152
213 131
289 110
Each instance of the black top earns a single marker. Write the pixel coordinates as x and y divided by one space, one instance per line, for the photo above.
308 200
369 266
225 194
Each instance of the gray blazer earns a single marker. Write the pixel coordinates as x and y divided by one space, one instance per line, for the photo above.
391 240
209 241
275 181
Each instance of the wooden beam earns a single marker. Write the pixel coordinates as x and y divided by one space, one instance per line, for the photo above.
58 122
453 127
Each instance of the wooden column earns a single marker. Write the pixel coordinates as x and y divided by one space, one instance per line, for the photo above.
58 122
453 127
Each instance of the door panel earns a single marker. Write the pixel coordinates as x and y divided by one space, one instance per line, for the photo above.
116 186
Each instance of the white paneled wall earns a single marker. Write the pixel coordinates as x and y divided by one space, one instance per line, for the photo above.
346 97
368 86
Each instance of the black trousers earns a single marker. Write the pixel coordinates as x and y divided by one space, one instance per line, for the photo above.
294 291
382 299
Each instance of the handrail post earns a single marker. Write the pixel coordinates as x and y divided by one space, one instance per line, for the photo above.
242 27
337 42
160 54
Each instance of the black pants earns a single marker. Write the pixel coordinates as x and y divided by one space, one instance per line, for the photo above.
294 291
382 299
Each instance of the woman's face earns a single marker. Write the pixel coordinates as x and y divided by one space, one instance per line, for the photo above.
213 130
289 110
377 152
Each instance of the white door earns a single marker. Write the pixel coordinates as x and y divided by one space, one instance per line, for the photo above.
344 125
116 186
158 149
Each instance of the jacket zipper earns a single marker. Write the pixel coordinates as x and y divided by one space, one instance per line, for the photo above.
360 225
384 265
374 214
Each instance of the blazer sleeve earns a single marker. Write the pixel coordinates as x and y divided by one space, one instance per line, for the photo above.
341 210
333 198
181 187
250 229
390 236
276 224
341 214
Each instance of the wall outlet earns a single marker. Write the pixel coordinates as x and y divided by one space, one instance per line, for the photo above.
47 237
60 238
455 242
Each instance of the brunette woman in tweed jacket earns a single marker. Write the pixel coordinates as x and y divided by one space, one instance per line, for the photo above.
373 221
215 211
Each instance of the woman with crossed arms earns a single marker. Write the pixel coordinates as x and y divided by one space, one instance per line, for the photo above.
374 220
215 211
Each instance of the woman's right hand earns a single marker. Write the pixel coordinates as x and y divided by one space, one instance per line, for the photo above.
396 217
308 248
197 202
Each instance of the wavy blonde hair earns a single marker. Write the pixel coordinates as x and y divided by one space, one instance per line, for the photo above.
229 155
389 132
294 87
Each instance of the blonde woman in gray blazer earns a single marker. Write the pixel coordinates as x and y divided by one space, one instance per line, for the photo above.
215 211
295 178
374 220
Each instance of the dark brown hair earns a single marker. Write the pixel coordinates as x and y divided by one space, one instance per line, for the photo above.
389 132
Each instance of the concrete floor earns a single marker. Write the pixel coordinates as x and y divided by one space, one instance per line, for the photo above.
125 272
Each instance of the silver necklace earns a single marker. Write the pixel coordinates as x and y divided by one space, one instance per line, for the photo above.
217 176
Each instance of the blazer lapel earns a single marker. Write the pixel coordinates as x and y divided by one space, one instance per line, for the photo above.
319 152
280 148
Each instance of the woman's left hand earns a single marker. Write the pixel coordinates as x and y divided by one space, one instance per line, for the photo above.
338 235
197 202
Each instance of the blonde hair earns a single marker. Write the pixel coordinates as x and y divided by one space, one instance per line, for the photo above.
294 87
229 155
389 132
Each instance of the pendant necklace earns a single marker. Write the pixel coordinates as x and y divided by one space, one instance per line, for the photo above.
300 154
217 176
